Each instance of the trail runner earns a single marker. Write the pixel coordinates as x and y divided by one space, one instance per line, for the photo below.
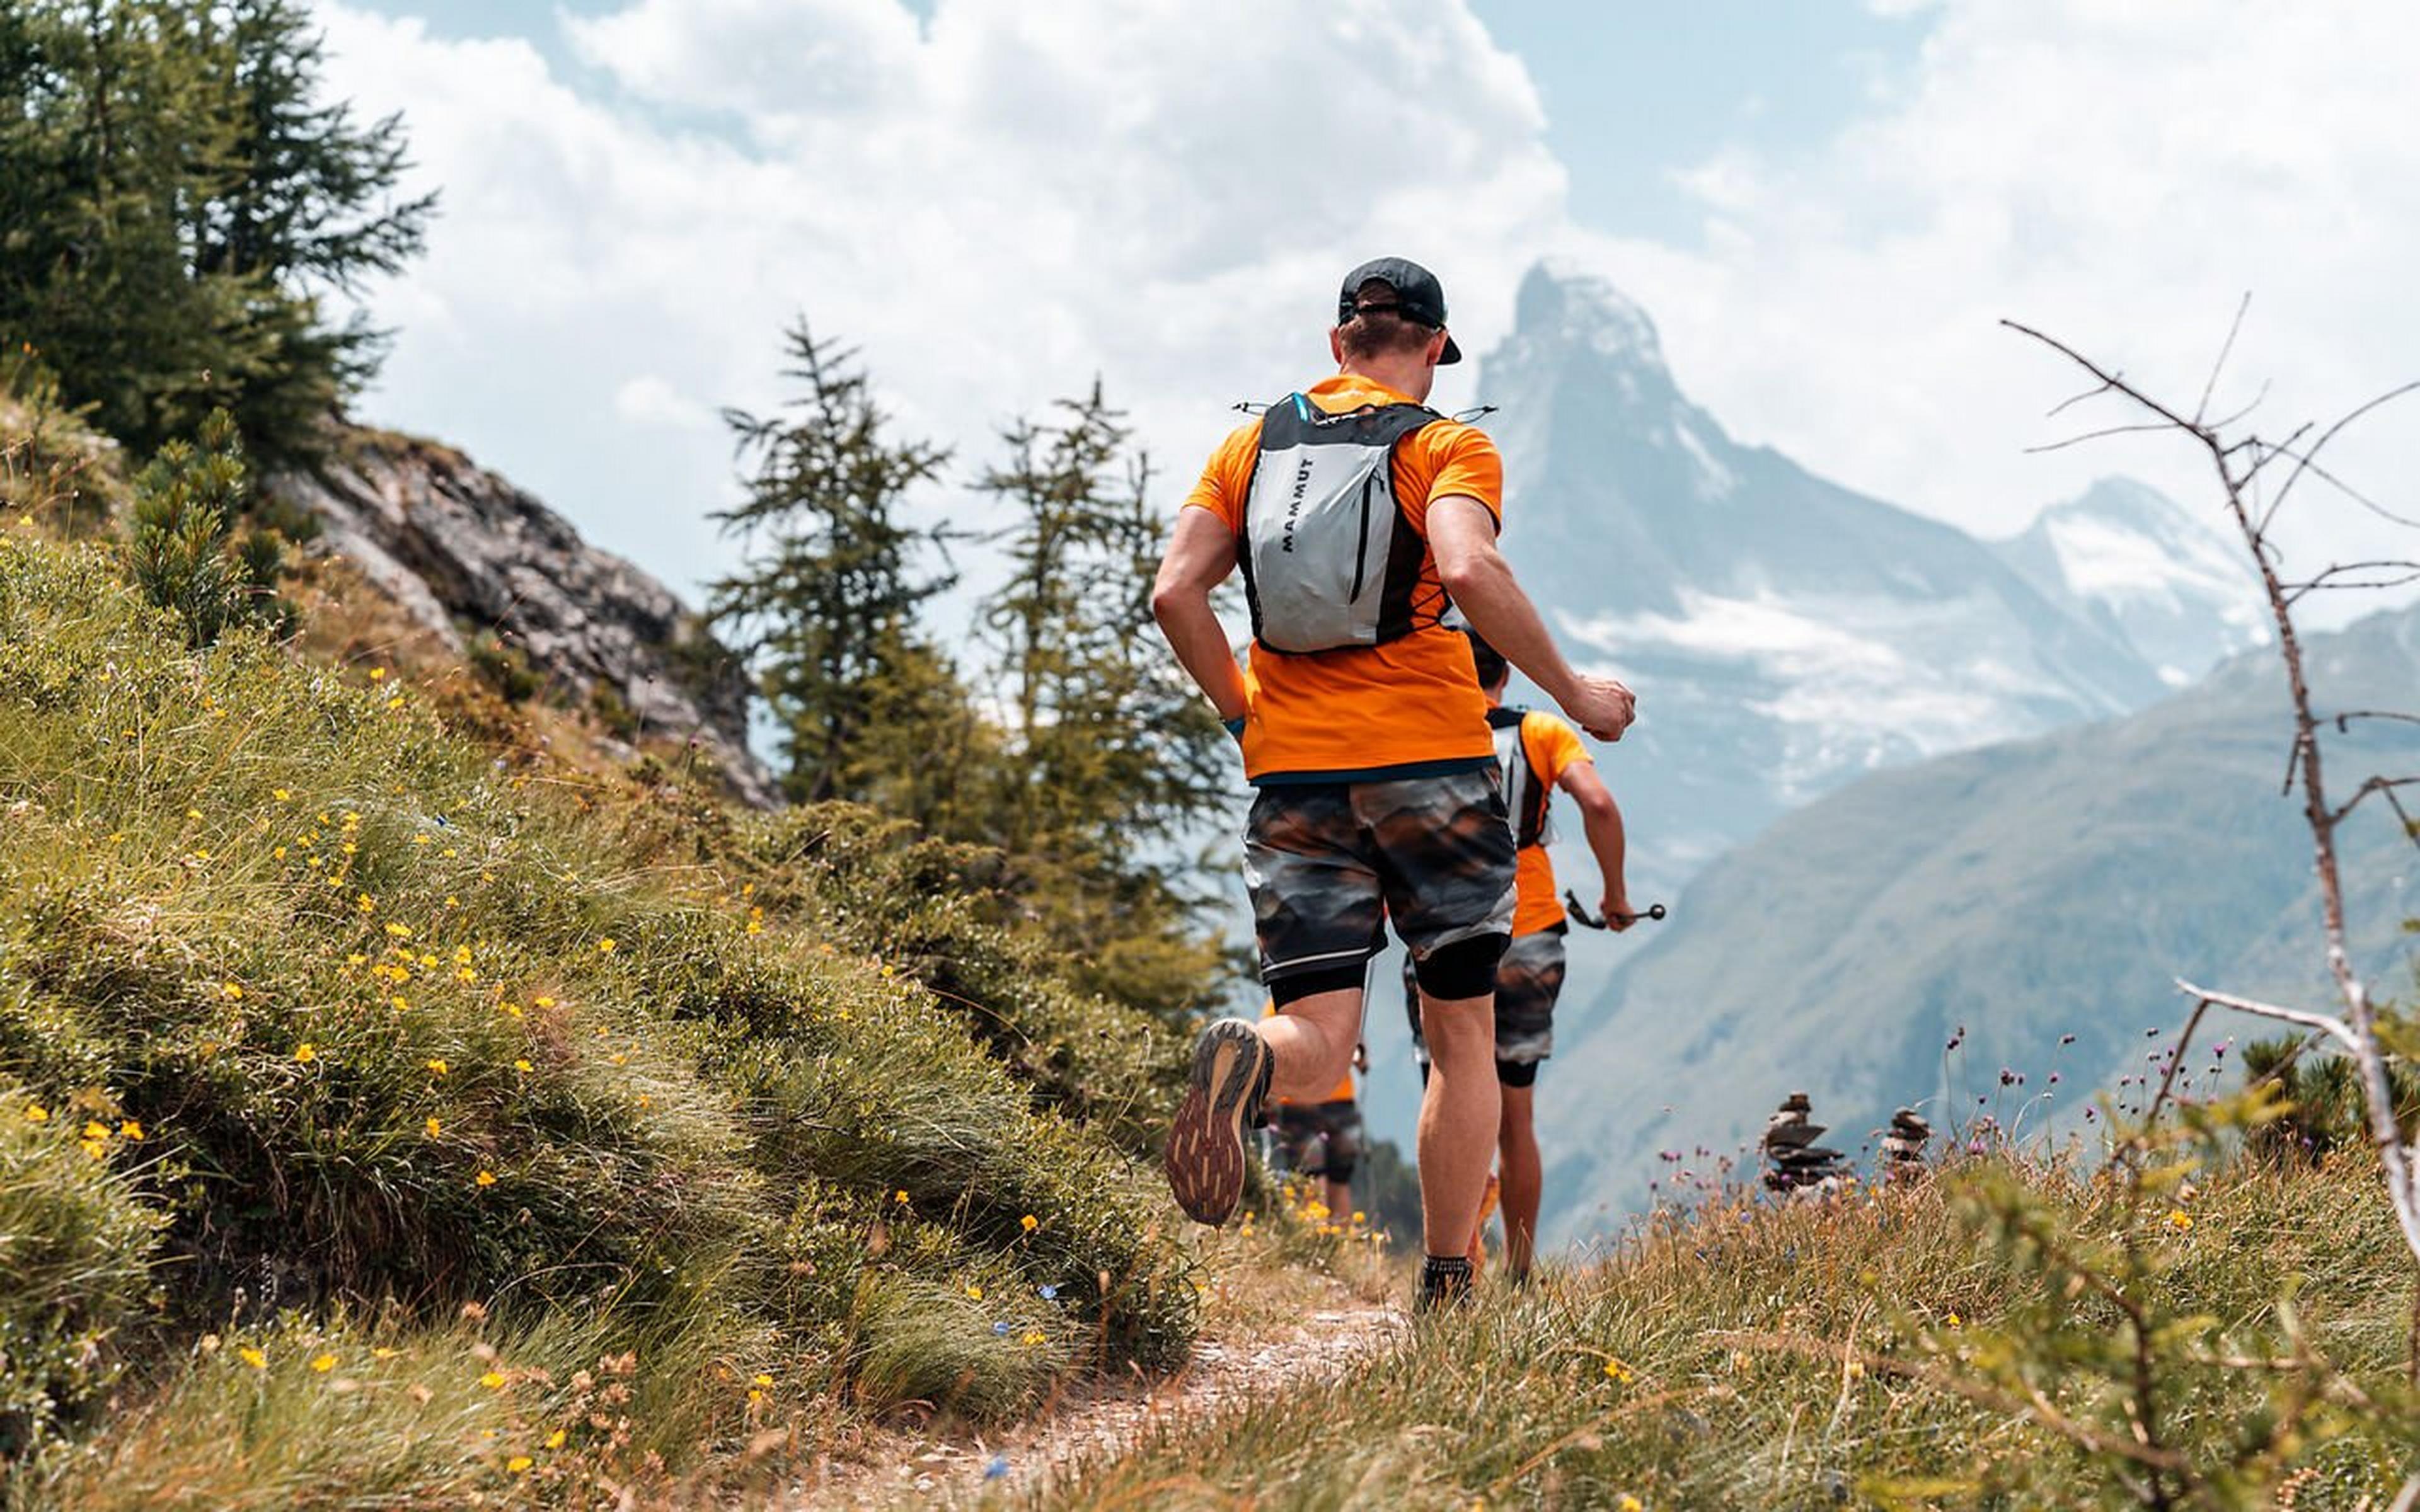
1538 754
1358 516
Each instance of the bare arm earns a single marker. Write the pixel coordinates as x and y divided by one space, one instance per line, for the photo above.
1462 532
1600 819
1201 554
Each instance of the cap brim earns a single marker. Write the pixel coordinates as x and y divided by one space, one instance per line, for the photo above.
1453 353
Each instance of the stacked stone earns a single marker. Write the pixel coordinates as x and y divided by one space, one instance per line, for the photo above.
1796 1162
1903 1151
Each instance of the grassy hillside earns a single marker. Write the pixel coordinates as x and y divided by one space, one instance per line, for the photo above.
1872 1353
390 1115
2026 892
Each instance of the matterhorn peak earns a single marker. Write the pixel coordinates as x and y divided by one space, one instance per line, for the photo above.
1563 300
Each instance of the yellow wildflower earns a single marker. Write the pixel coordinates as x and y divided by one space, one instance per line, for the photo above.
439 1067
493 1380
554 1440
606 946
2181 1220
130 1129
231 992
1619 1371
306 1052
378 674
280 794
523 1067
35 1113
434 1127
975 1291
484 1178
323 1364
253 1357
382 1352
1029 1223
1629 1504
96 1130
518 1464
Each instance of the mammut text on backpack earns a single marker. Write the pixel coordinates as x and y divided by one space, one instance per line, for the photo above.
1334 565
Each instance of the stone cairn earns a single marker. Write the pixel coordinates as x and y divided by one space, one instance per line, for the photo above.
1903 1151
1795 1163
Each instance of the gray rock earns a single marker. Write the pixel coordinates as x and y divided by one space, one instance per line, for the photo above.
463 551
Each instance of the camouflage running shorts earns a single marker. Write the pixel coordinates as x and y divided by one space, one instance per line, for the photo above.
1528 981
1329 863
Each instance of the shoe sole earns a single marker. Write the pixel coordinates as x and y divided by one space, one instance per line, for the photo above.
1205 1146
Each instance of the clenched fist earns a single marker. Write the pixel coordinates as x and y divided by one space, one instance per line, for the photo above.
1601 706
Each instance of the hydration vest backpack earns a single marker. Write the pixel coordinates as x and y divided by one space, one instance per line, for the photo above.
1329 559
1525 793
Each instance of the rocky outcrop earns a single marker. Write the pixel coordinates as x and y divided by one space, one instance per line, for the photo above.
463 551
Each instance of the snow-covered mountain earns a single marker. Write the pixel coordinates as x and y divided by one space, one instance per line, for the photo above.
2168 584
1786 633
1788 636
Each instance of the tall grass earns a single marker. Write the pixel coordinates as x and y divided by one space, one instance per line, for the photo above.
1806 1356
405 1024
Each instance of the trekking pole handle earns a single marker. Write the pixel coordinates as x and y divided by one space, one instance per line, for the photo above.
1580 911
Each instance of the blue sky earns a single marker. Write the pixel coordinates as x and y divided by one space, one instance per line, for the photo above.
1827 205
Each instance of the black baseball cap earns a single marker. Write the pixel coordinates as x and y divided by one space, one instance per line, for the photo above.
1418 295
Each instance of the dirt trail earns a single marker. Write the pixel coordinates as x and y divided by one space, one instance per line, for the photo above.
955 1470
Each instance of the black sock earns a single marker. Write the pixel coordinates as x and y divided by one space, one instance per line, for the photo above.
1444 1279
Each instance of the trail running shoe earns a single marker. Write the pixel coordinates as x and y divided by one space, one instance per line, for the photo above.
1205 1147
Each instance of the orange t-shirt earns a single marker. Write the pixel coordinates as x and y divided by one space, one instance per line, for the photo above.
1553 747
1406 708
1344 1093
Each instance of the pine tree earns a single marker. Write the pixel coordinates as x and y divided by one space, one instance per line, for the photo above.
1112 763
1116 753
827 605
173 204
183 552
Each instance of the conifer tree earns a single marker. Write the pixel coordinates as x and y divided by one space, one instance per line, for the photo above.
1111 762
827 603
184 552
175 201
1116 753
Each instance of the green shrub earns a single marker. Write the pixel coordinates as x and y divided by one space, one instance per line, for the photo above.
410 1029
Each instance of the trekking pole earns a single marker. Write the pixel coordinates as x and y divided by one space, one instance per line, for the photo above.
1580 911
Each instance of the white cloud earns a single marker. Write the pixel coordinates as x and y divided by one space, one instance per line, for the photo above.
994 210
1011 198
2114 174
648 400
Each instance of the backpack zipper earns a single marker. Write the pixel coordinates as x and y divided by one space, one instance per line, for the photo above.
1361 547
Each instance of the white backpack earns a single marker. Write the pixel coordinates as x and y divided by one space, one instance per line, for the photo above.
1328 560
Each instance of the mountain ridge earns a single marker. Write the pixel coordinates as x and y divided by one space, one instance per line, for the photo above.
2002 897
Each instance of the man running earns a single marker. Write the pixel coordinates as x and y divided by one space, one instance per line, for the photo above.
1358 516
1538 753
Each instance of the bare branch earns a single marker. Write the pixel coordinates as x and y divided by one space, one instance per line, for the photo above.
2072 400
2225 421
2097 435
2349 715
2376 784
2308 460
2335 1029
2111 381
2215 368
